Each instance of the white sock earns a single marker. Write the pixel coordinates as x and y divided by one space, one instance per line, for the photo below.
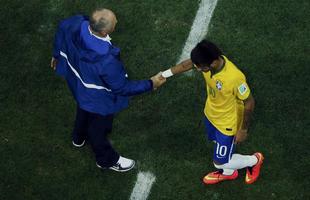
237 161
228 172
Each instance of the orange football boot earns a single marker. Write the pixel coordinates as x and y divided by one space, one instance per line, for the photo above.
218 176
252 173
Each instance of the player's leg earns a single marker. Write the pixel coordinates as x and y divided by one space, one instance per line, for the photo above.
223 150
238 161
251 162
79 132
224 157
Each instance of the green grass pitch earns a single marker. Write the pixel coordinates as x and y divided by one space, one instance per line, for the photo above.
268 40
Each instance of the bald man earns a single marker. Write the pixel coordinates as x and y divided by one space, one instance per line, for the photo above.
84 55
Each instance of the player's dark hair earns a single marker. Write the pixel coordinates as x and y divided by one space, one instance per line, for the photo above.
205 52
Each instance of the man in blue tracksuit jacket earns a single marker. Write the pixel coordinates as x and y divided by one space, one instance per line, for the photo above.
84 55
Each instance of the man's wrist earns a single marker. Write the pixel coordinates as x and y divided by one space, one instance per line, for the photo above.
151 83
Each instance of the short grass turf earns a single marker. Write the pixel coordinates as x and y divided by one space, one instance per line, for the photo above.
162 131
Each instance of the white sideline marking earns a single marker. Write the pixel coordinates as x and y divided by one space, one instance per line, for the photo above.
198 31
199 28
143 186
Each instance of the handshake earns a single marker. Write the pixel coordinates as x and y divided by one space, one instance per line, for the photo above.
160 78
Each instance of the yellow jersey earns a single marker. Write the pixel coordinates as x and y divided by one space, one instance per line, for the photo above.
226 91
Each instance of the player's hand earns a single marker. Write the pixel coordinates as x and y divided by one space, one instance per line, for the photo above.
53 63
158 80
241 136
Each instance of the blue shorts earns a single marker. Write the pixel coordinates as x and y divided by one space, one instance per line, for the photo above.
224 145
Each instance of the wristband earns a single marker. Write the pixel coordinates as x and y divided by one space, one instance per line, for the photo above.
168 73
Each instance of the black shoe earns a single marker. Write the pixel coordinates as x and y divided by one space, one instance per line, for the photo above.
122 165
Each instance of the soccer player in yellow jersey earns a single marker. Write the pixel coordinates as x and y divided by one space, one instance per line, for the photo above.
228 110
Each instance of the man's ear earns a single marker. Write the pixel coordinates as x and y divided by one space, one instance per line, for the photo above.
214 63
103 34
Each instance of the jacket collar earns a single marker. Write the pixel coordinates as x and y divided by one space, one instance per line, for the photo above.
106 39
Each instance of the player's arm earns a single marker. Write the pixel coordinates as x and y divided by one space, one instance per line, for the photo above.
249 104
179 68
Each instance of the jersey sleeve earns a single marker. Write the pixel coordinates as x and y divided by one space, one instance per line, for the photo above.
241 89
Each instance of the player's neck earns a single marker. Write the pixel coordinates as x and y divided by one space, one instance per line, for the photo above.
219 67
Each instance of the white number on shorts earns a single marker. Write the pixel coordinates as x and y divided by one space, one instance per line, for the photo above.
221 150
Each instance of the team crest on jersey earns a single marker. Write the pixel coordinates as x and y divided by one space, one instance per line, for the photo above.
219 84
242 89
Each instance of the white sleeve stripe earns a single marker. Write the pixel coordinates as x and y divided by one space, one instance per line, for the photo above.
87 85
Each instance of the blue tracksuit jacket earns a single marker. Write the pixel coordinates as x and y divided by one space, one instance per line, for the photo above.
93 69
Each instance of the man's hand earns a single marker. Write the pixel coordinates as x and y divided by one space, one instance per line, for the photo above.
53 63
241 135
158 80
